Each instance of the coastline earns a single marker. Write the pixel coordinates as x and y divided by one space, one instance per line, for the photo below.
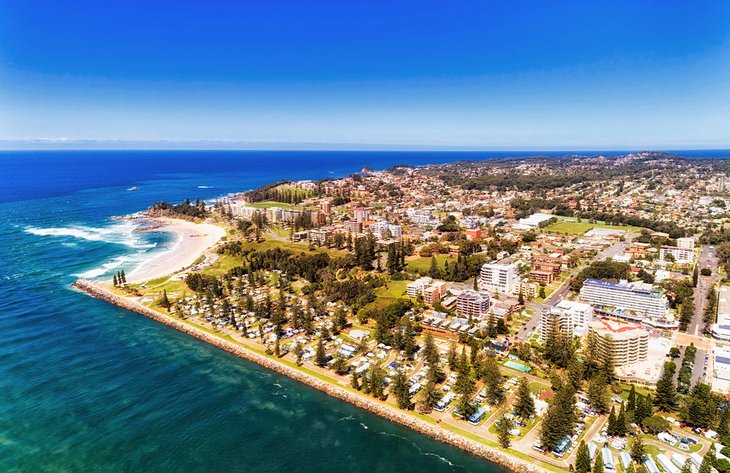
192 241
403 418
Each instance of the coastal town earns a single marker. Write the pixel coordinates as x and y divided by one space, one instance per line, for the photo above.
570 313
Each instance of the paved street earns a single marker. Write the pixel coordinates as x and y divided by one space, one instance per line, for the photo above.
708 259
537 307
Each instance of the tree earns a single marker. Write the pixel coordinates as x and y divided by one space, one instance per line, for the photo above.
708 461
430 396
493 381
582 458
598 393
115 281
637 450
164 300
340 365
559 419
355 380
631 401
631 468
298 352
655 425
401 391
666 391
598 464
611 424
451 357
687 467
644 408
320 358
465 387
723 424
620 428
503 429
541 293
525 404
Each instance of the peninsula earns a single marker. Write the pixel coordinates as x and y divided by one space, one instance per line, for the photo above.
543 313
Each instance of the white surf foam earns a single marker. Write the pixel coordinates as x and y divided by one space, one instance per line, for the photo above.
122 233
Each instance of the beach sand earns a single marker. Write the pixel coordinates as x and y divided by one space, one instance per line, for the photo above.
193 240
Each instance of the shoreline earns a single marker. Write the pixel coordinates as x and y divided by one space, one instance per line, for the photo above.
97 290
192 240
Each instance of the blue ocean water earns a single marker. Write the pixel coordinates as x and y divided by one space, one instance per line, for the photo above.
85 386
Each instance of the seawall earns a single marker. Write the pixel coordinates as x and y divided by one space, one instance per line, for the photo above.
381 409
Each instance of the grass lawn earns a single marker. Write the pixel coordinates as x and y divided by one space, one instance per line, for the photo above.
269 204
395 290
579 228
222 265
422 264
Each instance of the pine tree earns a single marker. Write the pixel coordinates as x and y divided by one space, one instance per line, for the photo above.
709 461
644 408
666 391
451 357
298 352
637 450
465 387
687 467
611 427
582 458
598 393
503 429
115 281
621 429
400 389
493 381
320 358
598 464
277 348
123 277
631 468
724 423
430 396
164 301
355 380
631 401
525 404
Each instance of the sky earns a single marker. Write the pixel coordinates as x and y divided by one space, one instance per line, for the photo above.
501 74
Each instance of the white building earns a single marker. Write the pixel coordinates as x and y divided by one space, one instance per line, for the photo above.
679 254
573 319
532 222
635 301
687 243
500 276
625 344
721 329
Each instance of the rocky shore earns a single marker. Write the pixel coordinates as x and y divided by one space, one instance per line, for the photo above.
381 409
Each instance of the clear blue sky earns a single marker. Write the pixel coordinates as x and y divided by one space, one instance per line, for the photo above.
487 74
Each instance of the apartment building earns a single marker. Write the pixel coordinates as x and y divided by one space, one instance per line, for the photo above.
572 318
472 304
678 254
502 276
634 301
625 344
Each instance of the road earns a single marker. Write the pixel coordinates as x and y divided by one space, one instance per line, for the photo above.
558 294
708 259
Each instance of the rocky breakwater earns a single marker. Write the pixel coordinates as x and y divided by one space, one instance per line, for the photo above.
377 407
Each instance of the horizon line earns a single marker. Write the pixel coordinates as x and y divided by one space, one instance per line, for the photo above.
10 145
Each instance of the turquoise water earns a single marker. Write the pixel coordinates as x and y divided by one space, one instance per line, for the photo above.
85 386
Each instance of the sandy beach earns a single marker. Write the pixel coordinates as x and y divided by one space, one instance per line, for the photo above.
193 240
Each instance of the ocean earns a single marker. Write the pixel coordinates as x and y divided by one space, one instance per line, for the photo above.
85 386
